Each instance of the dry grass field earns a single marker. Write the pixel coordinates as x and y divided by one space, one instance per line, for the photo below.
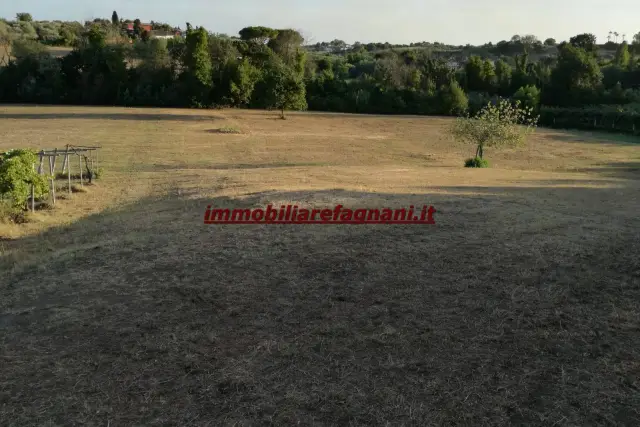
57 51
518 307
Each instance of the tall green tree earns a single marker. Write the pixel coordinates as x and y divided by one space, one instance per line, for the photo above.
574 79
137 28
24 17
503 77
197 64
284 88
475 74
622 57
286 43
115 20
586 41
453 100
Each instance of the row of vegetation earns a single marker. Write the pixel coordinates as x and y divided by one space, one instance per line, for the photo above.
270 68
67 33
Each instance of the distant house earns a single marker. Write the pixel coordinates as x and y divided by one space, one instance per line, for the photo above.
454 64
164 34
129 27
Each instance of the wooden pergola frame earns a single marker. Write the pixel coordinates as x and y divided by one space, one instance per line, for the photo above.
67 152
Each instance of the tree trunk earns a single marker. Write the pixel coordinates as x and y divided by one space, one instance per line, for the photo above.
479 151
282 116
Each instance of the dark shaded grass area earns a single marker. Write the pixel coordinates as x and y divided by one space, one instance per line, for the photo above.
110 116
520 306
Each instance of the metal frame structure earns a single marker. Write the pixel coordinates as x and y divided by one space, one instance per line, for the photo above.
86 152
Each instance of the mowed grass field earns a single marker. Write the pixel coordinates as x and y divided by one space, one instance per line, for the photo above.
518 307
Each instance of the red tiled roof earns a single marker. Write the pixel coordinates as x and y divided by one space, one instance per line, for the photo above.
143 26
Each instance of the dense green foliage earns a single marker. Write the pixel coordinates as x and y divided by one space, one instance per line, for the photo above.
17 176
272 68
608 118
476 162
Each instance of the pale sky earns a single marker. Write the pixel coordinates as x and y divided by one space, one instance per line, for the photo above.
452 22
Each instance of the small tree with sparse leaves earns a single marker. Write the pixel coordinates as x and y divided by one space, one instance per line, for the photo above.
502 124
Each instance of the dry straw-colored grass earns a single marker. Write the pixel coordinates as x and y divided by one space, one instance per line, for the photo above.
520 306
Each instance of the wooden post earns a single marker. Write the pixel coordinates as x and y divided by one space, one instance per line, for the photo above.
41 160
33 194
80 160
69 172
53 191
66 159
55 157
52 182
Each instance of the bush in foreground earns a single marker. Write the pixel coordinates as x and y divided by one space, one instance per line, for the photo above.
476 162
18 175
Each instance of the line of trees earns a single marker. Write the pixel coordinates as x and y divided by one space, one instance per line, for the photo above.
271 68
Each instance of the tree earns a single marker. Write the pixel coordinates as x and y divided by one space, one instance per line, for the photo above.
337 45
198 63
503 76
550 42
495 125
585 41
286 43
454 100
258 34
137 28
529 40
636 38
474 73
6 38
24 17
285 89
528 96
622 57
574 79
153 54
243 80
114 19
21 48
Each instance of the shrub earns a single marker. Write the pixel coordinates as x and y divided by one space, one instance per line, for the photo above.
228 129
10 214
476 162
454 100
98 173
608 118
17 175
529 96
